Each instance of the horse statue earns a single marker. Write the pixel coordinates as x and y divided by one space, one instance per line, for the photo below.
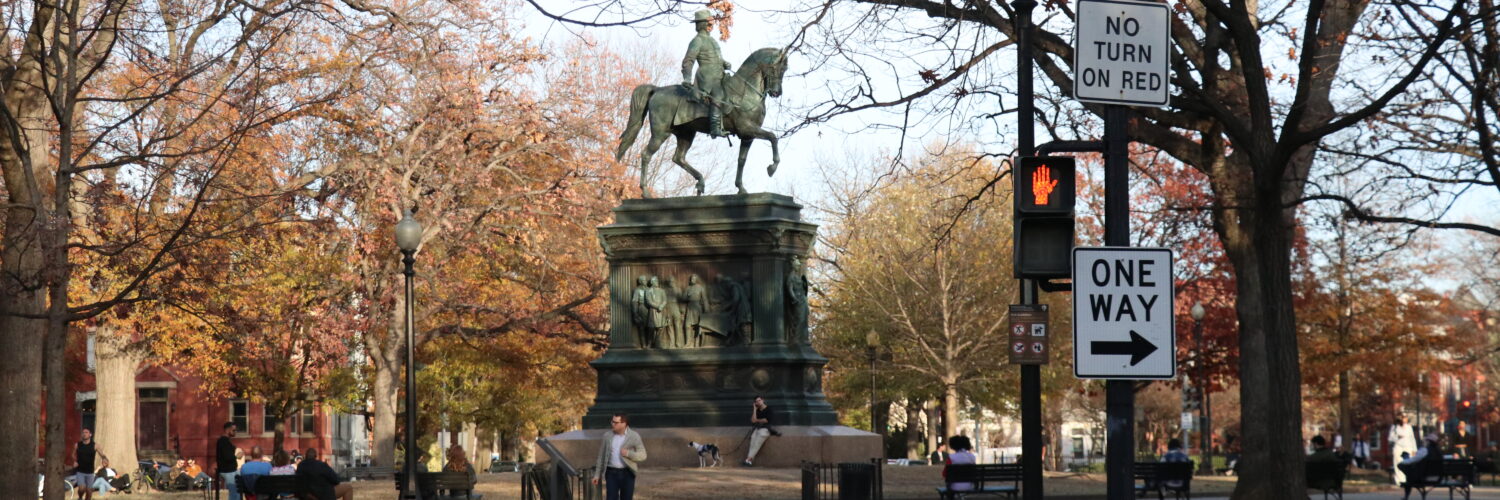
678 110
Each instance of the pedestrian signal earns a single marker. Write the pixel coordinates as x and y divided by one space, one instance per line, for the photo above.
1045 185
1043 232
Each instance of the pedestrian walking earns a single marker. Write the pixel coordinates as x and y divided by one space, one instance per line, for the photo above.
1361 450
620 453
83 456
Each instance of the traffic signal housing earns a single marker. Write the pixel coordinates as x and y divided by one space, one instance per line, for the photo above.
1043 232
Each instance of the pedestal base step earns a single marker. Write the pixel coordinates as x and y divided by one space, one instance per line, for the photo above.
668 446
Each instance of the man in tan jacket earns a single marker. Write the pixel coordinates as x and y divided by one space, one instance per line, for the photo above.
620 453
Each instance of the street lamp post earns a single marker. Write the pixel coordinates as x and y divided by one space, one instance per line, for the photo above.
1205 430
408 238
872 346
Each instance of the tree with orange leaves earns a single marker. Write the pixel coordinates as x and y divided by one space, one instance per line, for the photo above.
1372 323
497 150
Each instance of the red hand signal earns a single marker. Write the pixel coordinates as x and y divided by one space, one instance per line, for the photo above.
1042 184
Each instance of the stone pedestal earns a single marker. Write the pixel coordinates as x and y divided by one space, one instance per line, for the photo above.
725 321
736 329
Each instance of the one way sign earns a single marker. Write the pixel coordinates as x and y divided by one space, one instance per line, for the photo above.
1122 313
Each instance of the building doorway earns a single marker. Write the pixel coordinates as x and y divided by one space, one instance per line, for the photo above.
151 419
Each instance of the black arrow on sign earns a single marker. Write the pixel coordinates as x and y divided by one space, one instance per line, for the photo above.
1137 348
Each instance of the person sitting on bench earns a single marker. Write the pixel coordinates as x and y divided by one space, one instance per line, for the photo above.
1415 468
1175 455
959 454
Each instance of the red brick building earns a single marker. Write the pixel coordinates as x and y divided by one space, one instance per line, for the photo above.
175 418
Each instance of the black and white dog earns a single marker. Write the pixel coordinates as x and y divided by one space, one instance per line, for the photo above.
707 453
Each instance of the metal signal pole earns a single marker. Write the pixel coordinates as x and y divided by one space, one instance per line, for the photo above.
1031 375
1119 394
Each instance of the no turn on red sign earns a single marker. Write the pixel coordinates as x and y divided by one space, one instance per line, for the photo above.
1120 52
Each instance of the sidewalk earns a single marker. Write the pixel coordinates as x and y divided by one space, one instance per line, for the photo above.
1480 493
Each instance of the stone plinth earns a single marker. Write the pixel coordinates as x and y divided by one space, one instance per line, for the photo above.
668 447
725 321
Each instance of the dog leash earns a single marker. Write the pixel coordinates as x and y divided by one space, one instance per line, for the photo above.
743 440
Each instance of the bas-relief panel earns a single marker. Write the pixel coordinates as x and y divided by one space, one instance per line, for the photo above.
691 305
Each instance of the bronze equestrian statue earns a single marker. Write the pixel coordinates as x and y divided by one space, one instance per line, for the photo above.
688 109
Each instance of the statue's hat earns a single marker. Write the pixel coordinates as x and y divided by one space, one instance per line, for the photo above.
702 16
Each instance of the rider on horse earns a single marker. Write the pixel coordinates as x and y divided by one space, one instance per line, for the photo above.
704 51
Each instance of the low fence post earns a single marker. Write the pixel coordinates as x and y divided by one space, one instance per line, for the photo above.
856 481
809 481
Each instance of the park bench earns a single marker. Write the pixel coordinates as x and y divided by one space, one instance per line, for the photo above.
1486 466
432 483
368 472
984 478
1153 476
1327 477
1456 474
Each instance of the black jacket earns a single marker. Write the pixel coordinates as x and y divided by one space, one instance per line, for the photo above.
317 477
224 456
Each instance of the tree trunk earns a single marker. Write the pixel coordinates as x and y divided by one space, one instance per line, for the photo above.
913 428
471 446
54 371
1258 243
278 437
934 429
1345 419
20 377
54 358
386 354
114 377
26 173
950 410
21 342
527 435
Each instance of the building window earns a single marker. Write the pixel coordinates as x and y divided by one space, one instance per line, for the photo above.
268 421
239 414
87 409
307 424
1078 447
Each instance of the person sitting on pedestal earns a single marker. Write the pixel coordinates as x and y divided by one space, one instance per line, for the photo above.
760 421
